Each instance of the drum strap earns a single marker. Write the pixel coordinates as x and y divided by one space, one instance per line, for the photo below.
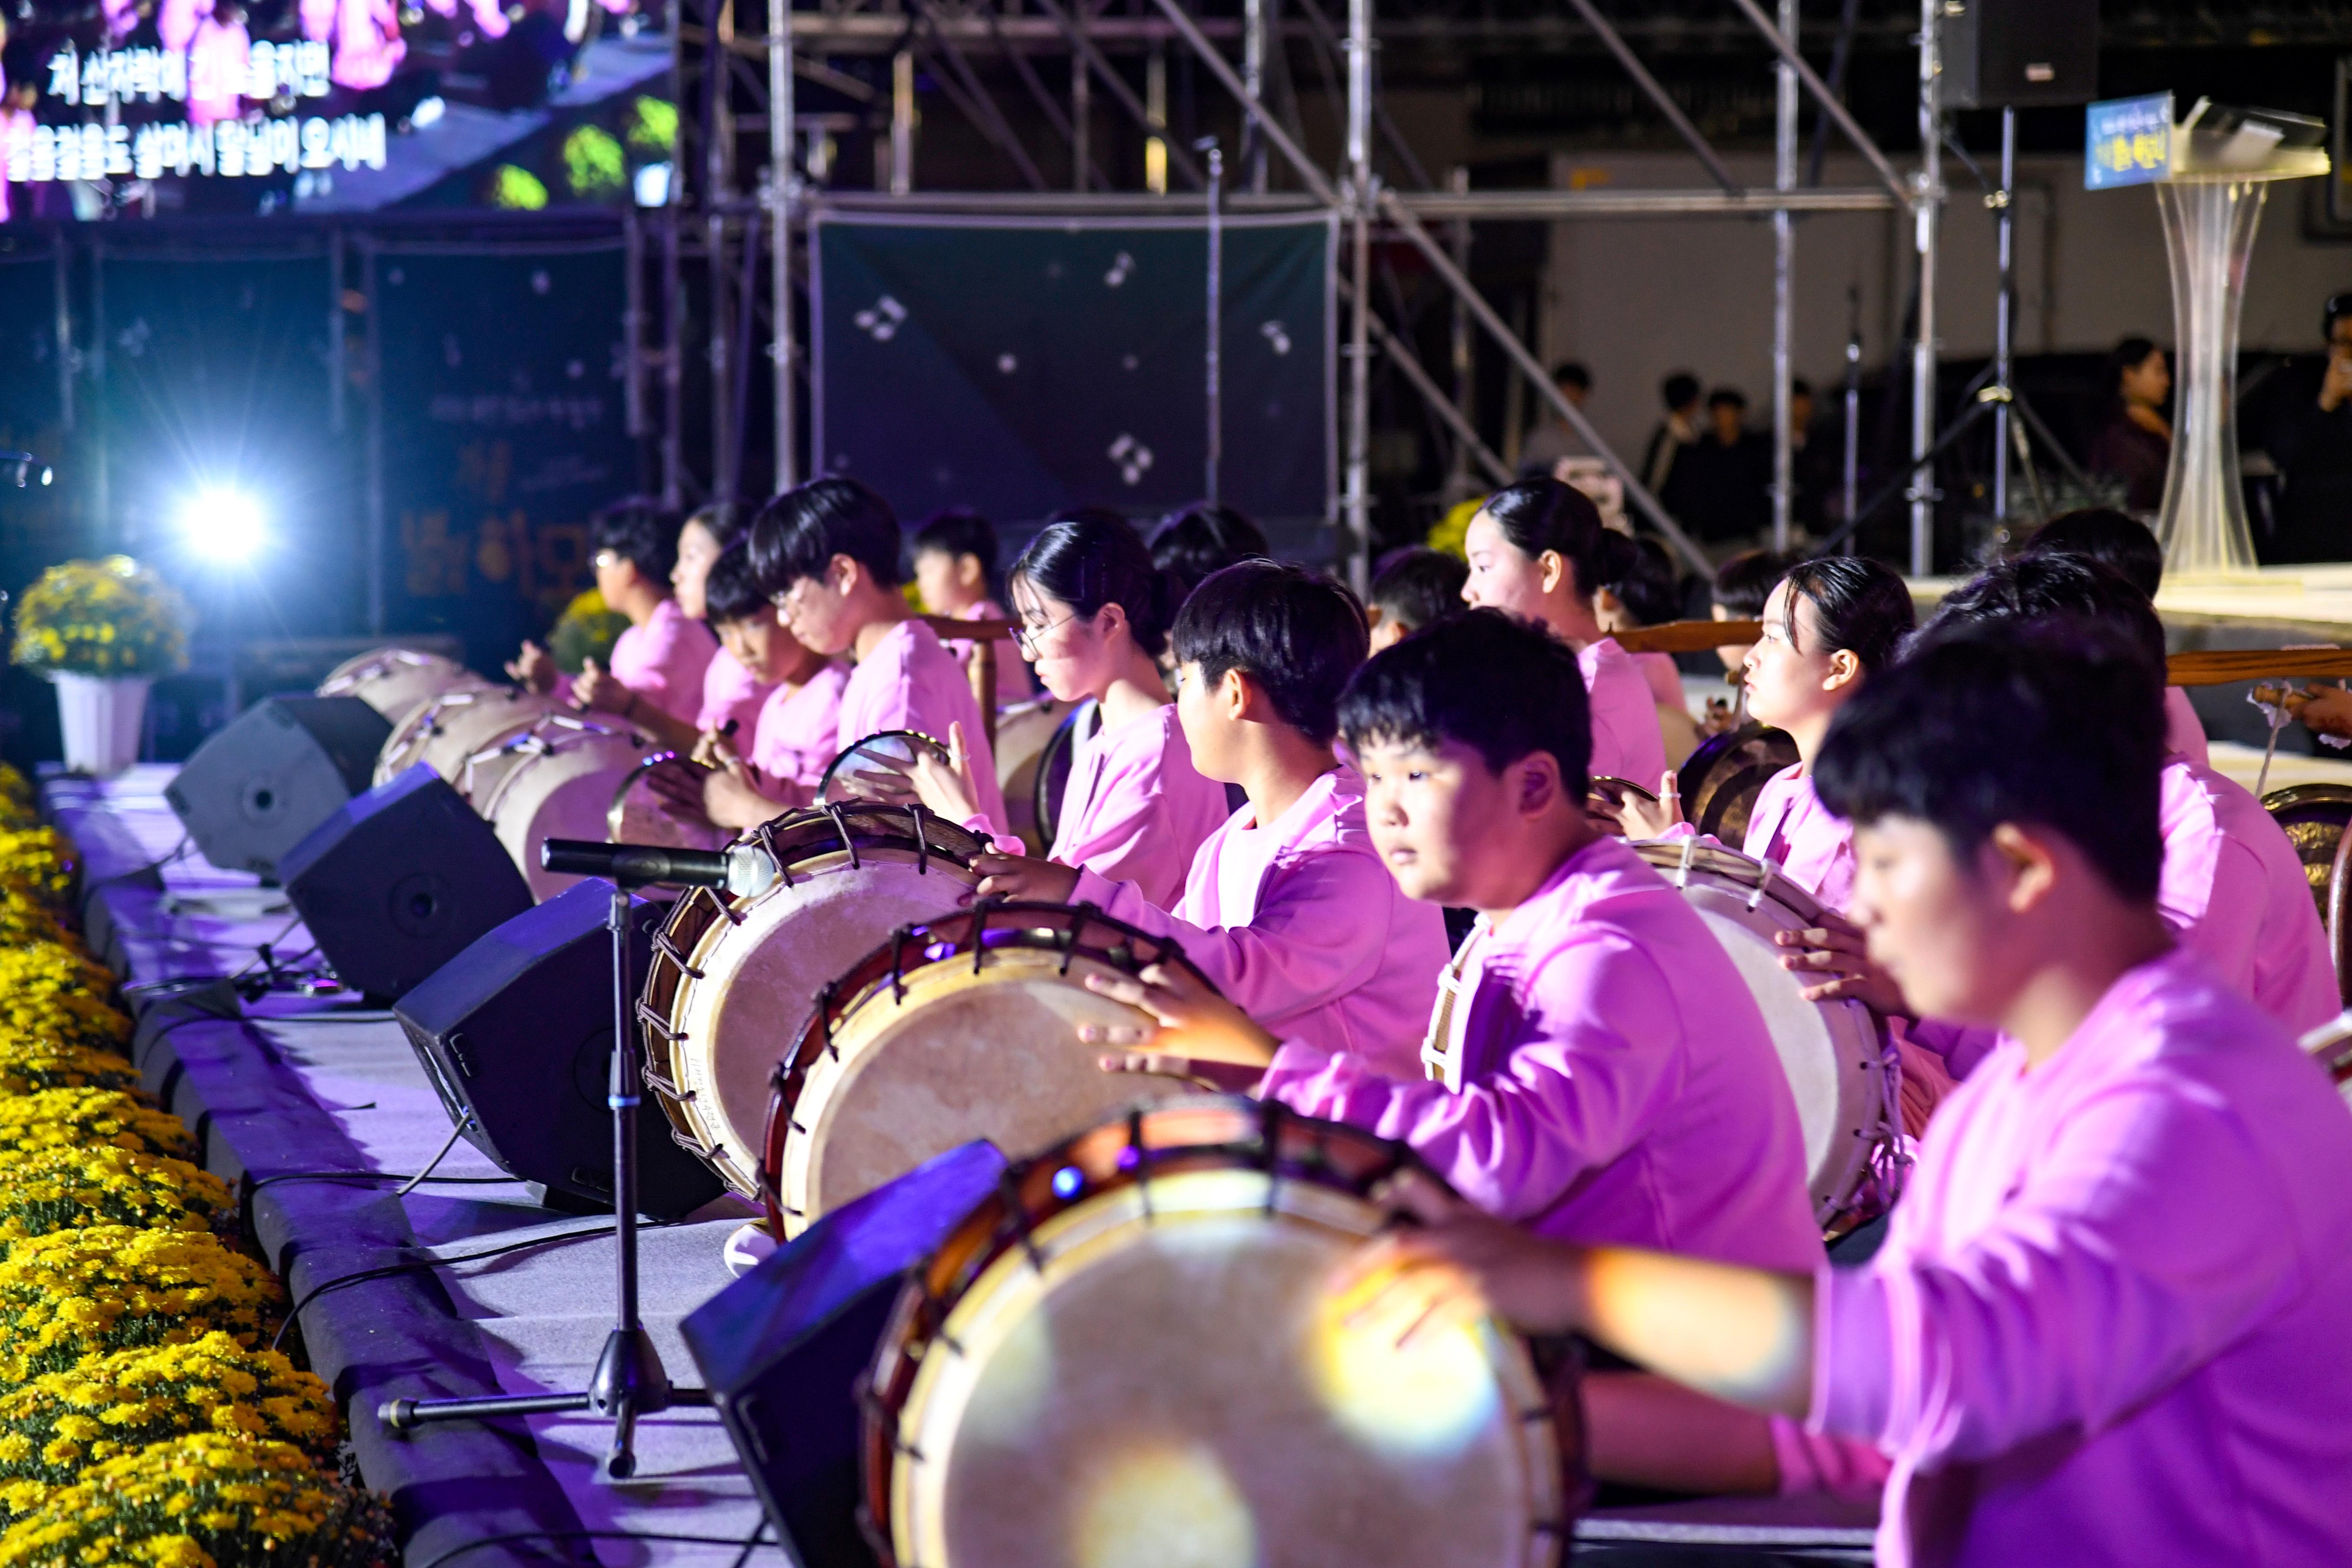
1438 1058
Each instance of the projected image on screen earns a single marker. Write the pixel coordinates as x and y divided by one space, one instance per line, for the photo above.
1022 366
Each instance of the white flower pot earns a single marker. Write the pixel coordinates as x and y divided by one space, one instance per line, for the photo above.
101 718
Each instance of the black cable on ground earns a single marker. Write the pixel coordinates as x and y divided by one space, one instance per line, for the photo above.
522 1535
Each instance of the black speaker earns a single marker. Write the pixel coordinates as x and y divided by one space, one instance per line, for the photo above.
2020 54
785 1349
255 789
518 1030
399 881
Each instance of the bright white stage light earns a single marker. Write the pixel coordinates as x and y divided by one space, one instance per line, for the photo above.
427 111
223 525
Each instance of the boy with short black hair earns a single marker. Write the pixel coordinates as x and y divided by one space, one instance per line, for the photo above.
2074 1344
955 574
660 660
1287 907
1415 588
2128 547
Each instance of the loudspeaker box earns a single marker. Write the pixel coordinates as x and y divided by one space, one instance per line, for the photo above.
257 788
2020 54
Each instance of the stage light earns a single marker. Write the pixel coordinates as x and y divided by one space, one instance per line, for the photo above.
429 112
223 525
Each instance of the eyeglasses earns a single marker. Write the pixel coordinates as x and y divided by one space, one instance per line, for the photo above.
606 559
1026 636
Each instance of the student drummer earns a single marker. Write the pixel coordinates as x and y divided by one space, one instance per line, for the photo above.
2107 1324
659 662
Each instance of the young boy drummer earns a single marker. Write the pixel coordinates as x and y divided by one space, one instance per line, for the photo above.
1603 1072
1287 905
2108 1325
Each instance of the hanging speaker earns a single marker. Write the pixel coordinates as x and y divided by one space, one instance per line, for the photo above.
257 788
785 1349
516 1033
2020 54
400 880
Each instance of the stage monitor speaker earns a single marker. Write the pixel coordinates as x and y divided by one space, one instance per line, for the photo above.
518 1031
399 881
785 1350
2020 54
257 788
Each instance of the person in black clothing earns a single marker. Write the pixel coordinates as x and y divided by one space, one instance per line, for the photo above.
1675 435
1721 487
2135 447
2313 448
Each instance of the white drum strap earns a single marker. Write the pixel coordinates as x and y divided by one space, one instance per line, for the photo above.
1439 1059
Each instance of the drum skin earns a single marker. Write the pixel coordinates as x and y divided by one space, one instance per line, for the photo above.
1133 1345
458 734
1721 780
732 978
1052 780
2314 817
1834 1053
964 1027
1024 731
635 814
836 788
556 780
396 681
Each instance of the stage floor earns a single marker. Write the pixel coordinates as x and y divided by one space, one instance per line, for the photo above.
292 1088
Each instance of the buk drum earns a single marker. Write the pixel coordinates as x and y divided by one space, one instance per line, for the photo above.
732 976
1134 1342
1836 1053
635 814
397 682
459 735
964 1027
1719 782
840 786
1023 732
556 780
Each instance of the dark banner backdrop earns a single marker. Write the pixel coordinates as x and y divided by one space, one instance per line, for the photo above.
503 428
1021 365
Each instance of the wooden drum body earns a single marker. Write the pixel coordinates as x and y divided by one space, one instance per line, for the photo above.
964 1027
733 977
555 780
1834 1053
397 682
1130 1354
459 735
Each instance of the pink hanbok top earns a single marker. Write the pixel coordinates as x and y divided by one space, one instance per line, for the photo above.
731 692
1011 671
1136 810
911 681
662 661
798 732
1617 1081
1626 742
368 45
2234 889
2109 1322
2183 730
1665 679
1299 923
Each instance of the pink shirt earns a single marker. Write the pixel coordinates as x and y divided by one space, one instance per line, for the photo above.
1665 679
1618 1084
2108 1323
911 681
1626 743
663 661
1300 925
1136 810
2183 730
798 731
731 692
1011 671
2235 890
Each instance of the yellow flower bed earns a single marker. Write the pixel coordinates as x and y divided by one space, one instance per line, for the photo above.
37 969
25 918
66 1189
17 794
86 1118
202 1502
54 1427
29 1065
115 1287
110 617
63 1021
37 855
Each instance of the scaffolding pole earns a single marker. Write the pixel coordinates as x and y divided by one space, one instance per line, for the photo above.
1360 198
1784 257
1926 209
783 185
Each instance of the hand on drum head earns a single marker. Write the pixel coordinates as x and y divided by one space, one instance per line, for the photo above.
945 788
532 668
1217 1078
1191 1021
595 690
678 787
1838 948
731 795
1025 876
1454 1266
1650 819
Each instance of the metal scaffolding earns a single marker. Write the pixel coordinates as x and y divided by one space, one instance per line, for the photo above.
716 214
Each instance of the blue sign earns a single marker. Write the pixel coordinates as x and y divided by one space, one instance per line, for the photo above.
2128 141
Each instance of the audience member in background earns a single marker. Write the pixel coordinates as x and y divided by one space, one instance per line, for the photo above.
1649 595
1818 466
2134 448
1191 543
1742 583
1537 549
955 573
659 662
1415 587
1554 437
1720 490
1094 616
1287 908
2127 547
1674 434
2313 448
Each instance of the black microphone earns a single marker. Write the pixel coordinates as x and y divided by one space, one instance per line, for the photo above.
635 865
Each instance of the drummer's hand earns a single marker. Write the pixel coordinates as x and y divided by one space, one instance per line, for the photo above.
678 785
1650 819
2328 710
1025 876
1189 1019
876 777
1721 717
715 749
596 689
946 787
1837 948
732 797
1454 1266
532 668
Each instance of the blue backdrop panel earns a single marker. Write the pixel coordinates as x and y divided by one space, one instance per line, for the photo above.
1022 365
504 429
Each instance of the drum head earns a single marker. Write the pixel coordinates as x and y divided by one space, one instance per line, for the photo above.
1831 1051
635 815
2314 817
1720 781
396 681
1161 1374
459 734
1024 731
556 781
839 785
1054 764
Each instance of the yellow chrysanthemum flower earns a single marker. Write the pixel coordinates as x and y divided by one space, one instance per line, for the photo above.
108 1287
86 1117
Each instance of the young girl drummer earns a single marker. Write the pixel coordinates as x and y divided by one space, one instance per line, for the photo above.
1093 616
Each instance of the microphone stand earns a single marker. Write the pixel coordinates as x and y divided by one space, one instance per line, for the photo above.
629 1381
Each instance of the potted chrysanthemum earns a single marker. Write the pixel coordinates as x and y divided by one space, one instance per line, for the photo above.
102 631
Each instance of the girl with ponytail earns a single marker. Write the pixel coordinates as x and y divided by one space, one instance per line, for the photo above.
1093 615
